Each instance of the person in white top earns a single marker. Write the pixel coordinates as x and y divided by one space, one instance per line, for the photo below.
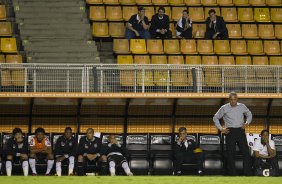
265 152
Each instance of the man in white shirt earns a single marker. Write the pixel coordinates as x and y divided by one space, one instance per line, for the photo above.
265 152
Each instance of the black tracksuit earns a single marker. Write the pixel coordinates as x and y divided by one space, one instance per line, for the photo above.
65 146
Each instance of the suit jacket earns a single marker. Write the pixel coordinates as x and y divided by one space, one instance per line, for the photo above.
219 26
157 23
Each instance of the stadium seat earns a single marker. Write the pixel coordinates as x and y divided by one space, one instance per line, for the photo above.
278 31
128 11
273 2
245 15
188 46
226 60
116 29
97 13
250 31
172 29
126 76
142 59
149 12
255 47
95 2
271 47
6 29
199 30
114 13
275 60
175 60
205 46
209 2
197 14
222 47
159 59
243 60
239 47
144 2
257 2
207 9
159 2
193 60
261 15
276 14
241 2
178 77
100 29
18 78
176 13
121 46
266 31
192 2
3 15
234 30
14 59
138 46
171 46
176 2
128 2
160 77
2 58
111 1
9 45
225 2
6 78
260 60
209 60
212 75
155 46
229 14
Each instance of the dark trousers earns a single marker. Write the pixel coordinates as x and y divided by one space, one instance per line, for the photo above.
181 158
237 135
272 162
155 35
187 34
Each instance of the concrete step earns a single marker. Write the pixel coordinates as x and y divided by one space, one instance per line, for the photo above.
51 21
60 49
73 33
62 54
51 15
35 4
58 42
73 60
65 26
31 9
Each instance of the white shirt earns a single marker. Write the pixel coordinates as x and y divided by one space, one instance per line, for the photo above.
262 149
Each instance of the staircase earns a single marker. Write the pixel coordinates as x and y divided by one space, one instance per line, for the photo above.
55 31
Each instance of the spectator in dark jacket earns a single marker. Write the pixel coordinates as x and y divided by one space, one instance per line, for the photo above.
215 27
160 25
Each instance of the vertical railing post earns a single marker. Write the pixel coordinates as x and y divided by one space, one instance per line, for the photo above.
194 78
95 78
143 80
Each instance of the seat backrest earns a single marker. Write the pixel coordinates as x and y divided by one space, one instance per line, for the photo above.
116 29
243 60
176 13
260 60
217 10
175 60
155 46
275 60
193 60
138 46
261 14
276 14
205 46
127 2
249 30
272 47
277 138
225 2
97 13
142 59
208 2
193 2
199 30
159 59
257 2
149 12
171 46
238 46
160 2
245 14
234 30
226 60
14 58
266 30
209 142
113 12
128 11
255 47
5 29
241 2
273 2
124 59
137 142
121 46
197 13
160 142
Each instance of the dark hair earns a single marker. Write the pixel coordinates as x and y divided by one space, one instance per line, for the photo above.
161 8
90 129
68 128
40 130
185 11
232 93
181 129
263 131
211 11
140 8
17 130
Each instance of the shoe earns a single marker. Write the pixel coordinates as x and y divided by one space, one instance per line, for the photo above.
200 172
48 174
112 174
130 174
179 173
71 174
34 174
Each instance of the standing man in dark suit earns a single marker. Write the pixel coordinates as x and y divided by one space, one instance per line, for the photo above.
215 27
234 114
160 25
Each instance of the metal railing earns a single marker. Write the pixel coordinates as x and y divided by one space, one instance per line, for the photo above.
139 78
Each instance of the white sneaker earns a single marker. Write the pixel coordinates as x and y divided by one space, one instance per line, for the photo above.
113 174
130 174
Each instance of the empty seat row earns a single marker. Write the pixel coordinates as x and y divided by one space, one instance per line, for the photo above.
11 59
8 45
12 78
190 2
198 14
3 13
219 47
6 29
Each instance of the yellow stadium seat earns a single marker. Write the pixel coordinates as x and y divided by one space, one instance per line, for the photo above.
229 14
199 30
188 46
207 9
243 60
241 2
155 46
272 47
197 13
171 46
142 59
257 2
238 47
226 60
266 31
127 2
149 11
176 13
100 29
3 15
275 60
212 76
178 77
192 2
144 2
222 47
128 11
209 2
245 14
209 60
172 29
261 15
14 59
278 31
97 13
6 78
176 2
2 58
114 13
255 47
160 77
121 46
159 2
111 1
274 2
234 30
193 60
116 29
260 60
6 29
225 2
205 46
9 45
18 78
126 76
250 31
175 59
124 59
94 2
276 14
138 46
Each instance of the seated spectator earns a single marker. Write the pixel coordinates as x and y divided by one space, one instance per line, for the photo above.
138 25
215 27
160 25
265 152
116 155
184 26
186 151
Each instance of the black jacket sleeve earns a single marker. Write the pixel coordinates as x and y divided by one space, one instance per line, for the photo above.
74 147
80 148
58 146
25 147
154 24
9 148
166 22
